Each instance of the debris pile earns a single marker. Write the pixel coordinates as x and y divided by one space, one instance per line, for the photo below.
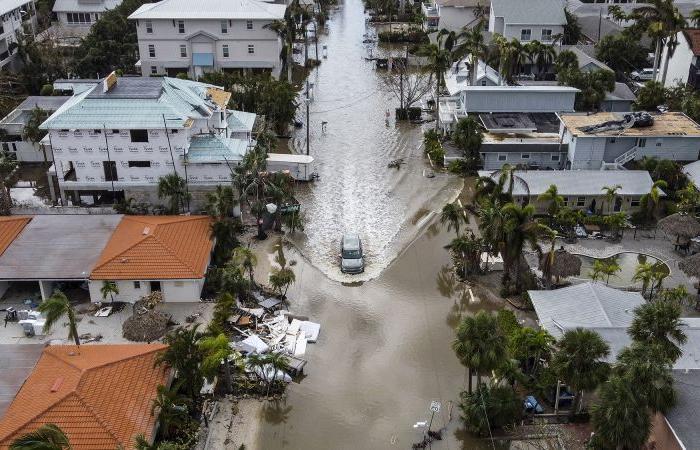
148 326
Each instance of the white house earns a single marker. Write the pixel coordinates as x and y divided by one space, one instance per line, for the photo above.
181 36
116 139
683 64
16 17
603 140
79 15
531 20
581 189
169 254
14 123
453 15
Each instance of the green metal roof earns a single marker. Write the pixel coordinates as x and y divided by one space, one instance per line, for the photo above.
208 148
240 120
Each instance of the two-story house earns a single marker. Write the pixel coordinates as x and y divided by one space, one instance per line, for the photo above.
182 36
16 16
118 138
78 16
531 20
606 140
683 64
453 15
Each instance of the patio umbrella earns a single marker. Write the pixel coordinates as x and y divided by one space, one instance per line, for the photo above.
564 265
680 225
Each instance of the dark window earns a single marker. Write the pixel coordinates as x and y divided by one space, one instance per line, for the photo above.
155 286
97 131
139 164
137 285
115 131
139 135
110 168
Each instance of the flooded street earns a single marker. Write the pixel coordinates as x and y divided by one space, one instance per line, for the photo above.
383 354
357 192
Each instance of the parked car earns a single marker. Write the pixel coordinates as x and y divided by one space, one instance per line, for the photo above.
351 257
532 406
643 74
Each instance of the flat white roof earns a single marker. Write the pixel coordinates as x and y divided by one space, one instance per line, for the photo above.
521 89
290 158
210 9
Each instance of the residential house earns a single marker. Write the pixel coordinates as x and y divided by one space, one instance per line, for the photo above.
169 254
117 138
12 128
16 364
607 140
101 396
620 99
78 16
692 171
580 189
453 15
181 36
532 20
683 65
16 17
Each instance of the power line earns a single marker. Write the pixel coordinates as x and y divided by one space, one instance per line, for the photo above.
346 106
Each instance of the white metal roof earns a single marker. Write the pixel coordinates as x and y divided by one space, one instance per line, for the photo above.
85 6
587 305
693 172
579 182
290 158
530 12
9 5
210 9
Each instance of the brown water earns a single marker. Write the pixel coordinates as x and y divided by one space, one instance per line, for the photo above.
383 354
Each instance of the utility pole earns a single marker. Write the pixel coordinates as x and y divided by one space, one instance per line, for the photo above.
308 125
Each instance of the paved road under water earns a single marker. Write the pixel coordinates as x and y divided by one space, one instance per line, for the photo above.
384 351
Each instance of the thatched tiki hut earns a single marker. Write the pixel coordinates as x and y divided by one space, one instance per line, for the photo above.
558 264
691 266
680 225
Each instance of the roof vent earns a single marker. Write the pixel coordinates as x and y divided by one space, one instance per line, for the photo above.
146 230
124 260
56 385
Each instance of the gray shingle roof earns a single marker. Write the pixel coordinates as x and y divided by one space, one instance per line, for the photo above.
45 102
579 182
530 12
587 305
683 417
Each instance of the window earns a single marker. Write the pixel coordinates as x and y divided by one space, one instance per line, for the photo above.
139 135
525 155
137 285
139 164
224 26
224 49
251 49
634 202
580 201
154 70
183 51
96 131
658 143
179 283
546 34
249 24
79 18
115 131
565 200
151 51
611 140
502 157
149 27
110 170
525 34
483 82
181 26
641 142
555 157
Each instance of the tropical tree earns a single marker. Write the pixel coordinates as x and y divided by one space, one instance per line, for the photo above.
644 272
233 280
283 276
489 408
109 288
555 200
287 30
46 437
246 258
467 249
174 188
221 202
467 136
605 268
54 308
651 200
216 352
520 229
572 29
660 324
453 215
541 55
32 131
610 193
183 355
8 170
439 56
471 42
565 60
695 17
225 232
492 226
221 313
580 361
646 366
689 198
530 347
620 418
650 96
171 409
480 345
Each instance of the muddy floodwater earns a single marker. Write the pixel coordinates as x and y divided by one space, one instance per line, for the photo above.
356 191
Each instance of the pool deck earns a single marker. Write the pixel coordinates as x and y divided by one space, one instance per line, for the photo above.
660 247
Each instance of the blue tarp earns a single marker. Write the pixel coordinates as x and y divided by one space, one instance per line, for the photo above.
203 59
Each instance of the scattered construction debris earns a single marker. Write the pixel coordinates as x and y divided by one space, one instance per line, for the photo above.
148 326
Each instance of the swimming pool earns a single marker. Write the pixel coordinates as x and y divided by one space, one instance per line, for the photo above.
628 262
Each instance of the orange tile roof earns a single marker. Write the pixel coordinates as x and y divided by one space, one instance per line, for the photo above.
156 248
99 395
10 227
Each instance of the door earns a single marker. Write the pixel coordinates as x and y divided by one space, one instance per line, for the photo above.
155 286
618 204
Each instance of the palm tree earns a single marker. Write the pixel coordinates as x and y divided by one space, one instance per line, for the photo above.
555 200
549 261
453 215
281 278
439 57
695 17
492 226
520 229
246 258
279 363
225 232
619 418
54 308
480 345
647 367
217 351
659 323
171 409
610 192
233 279
174 188
580 361
46 437
610 268
286 30
659 272
471 42
220 203
8 170
664 21
541 55
468 248
109 288
183 355
644 273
